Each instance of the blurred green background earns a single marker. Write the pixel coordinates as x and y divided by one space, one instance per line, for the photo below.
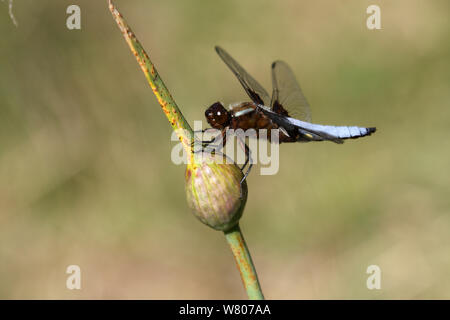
86 176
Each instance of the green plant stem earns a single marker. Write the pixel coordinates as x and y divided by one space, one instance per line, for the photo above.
244 263
186 136
168 105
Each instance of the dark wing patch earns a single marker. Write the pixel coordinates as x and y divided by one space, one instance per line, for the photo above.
287 96
280 120
254 90
289 126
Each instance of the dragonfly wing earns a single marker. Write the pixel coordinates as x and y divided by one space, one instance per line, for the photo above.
291 124
317 132
287 96
255 91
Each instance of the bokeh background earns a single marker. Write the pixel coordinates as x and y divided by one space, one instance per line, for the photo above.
86 176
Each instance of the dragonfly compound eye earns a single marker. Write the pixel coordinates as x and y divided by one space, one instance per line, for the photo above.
217 116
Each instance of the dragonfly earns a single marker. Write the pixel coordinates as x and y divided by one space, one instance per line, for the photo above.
286 110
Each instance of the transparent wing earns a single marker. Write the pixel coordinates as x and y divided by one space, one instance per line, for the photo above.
255 91
287 97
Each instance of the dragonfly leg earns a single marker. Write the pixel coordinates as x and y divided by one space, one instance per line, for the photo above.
205 143
201 131
248 154
247 172
248 160
208 144
245 177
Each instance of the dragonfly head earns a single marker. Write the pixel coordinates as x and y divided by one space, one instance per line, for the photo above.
217 116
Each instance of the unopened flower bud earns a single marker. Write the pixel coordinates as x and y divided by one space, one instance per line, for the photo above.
214 192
